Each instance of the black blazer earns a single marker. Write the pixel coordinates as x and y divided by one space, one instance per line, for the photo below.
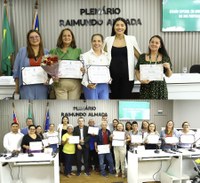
76 132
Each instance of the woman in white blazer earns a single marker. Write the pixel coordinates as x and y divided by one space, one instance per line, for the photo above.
123 49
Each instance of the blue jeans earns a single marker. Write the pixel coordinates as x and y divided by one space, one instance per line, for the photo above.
100 92
68 163
32 92
54 147
109 158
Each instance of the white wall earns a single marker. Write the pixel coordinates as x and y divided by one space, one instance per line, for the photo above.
186 110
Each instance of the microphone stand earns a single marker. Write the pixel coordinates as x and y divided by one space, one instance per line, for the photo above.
191 148
157 151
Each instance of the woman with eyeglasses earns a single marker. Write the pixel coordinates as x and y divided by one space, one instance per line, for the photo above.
186 136
30 137
30 56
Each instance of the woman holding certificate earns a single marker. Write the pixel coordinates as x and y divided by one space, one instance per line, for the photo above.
120 138
152 138
122 49
169 131
30 58
67 88
52 137
28 138
68 150
96 57
150 68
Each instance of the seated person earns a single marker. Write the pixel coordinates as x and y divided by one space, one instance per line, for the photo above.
186 131
151 131
12 140
30 137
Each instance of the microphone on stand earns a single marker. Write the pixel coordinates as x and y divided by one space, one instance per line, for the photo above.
191 148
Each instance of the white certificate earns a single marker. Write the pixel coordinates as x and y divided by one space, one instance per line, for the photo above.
35 146
136 139
153 139
33 75
53 140
118 143
187 138
45 142
151 72
118 135
70 69
103 149
73 140
98 74
93 130
171 140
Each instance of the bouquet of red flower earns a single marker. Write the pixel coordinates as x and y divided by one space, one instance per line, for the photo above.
50 64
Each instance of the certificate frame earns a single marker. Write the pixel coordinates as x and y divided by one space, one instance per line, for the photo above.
151 72
70 69
98 74
33 75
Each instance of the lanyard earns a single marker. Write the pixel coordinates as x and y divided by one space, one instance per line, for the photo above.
155 60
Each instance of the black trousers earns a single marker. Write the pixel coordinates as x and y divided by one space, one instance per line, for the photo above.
83 153
121 89
93 159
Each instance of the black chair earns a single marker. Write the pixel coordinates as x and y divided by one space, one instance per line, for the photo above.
195 69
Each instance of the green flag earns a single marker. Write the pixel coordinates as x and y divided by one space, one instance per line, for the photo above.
7 45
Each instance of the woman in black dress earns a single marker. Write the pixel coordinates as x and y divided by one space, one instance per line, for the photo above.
122 49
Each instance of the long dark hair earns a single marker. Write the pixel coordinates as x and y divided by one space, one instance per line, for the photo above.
30 51
63 118
115 21
60 42
167 130
162 48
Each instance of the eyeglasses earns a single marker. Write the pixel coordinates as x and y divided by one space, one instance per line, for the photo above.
34 37
32 128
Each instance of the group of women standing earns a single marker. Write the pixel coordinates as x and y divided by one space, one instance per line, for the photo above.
118 51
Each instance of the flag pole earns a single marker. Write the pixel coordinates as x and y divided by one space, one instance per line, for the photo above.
35 25
47 120
36 4
15 120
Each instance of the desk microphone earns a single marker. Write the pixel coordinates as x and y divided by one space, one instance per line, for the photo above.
14 154
157 151
191 148
4 164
